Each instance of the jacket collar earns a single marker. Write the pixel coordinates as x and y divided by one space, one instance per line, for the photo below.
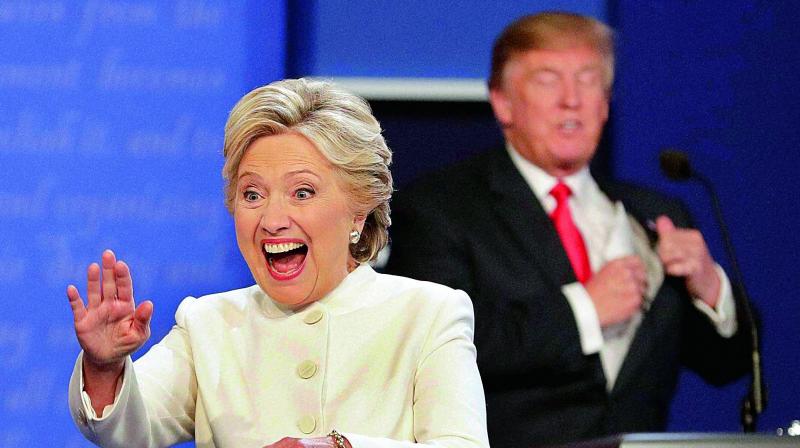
352 293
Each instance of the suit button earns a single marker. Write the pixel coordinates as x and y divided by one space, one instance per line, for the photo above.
307 369
313 317
307 424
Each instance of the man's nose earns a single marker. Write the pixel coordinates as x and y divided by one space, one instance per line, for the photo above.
274 217
570 94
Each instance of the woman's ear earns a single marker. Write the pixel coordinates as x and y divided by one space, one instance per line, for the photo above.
358 222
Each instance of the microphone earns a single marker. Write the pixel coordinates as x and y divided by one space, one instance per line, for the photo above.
675 165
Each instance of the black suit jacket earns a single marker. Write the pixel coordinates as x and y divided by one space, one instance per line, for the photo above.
477 226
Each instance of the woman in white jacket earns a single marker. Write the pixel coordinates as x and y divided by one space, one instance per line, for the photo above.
322 351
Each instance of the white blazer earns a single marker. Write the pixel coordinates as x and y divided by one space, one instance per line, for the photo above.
387 361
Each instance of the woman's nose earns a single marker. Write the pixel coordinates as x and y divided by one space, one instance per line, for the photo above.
274 217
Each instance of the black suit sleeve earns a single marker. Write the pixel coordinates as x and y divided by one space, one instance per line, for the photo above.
717 359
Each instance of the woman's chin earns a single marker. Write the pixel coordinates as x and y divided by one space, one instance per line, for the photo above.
293 301
293 292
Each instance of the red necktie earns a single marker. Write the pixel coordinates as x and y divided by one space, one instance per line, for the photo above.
568 233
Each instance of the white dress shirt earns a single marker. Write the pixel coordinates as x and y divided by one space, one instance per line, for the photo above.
387 361
608 234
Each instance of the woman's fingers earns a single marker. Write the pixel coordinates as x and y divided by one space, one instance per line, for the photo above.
108 325
109 280
143 314
93 294
124 283
76 303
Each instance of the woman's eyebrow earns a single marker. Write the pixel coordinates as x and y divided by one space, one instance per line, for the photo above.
302 171
249 173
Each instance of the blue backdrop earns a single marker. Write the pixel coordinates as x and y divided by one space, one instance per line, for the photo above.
718 79
111 119
410 38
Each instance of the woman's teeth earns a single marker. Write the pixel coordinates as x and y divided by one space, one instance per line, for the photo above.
281 247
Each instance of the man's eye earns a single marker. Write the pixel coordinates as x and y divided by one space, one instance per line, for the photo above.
304 193
589 77
545 77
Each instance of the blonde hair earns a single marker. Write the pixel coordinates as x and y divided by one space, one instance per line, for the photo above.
342 128
552 31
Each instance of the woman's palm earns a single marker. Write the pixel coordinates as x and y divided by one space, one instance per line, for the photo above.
109 327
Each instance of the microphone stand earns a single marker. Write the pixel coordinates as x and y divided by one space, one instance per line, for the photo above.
755 401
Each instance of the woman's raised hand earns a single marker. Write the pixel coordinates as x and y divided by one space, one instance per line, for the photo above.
110 327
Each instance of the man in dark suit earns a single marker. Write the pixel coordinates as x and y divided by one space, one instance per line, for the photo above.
588 297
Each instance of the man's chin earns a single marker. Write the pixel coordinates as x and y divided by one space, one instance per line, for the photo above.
573 159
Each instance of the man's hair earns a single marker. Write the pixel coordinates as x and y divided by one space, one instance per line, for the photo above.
552 31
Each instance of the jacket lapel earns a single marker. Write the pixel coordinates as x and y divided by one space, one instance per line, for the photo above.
525 219
653 267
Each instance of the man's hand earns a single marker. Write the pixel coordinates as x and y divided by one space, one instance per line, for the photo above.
684 254
617 289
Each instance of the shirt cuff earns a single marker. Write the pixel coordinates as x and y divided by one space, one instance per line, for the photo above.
87 401
583 309
723 315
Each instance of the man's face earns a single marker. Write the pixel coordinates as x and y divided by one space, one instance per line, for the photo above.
553 105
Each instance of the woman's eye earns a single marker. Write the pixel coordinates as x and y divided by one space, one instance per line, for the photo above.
303 193
251 196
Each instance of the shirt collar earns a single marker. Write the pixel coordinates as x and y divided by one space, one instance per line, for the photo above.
581 182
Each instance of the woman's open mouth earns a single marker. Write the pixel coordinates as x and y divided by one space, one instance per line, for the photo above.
285 259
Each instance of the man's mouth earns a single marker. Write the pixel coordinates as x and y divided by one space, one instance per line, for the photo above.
569 126
285 260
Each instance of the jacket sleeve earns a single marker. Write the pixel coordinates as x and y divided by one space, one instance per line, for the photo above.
449 404
716 358
153 407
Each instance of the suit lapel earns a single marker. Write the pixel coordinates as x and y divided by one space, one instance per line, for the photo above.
653 267
615 192
525 219
644 245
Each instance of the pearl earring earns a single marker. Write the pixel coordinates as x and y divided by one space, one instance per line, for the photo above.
355 235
